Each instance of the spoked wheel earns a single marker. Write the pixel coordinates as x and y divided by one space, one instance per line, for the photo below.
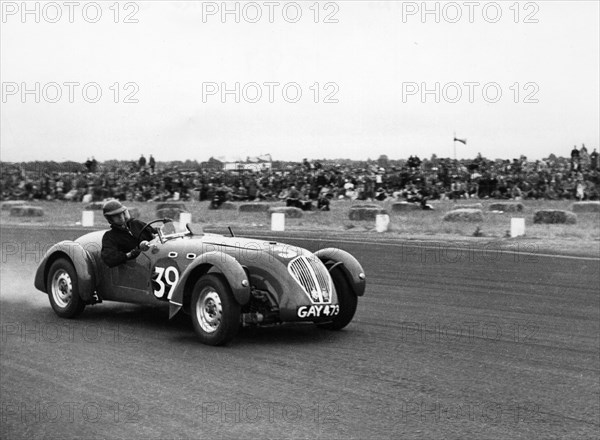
63 290
215 312
347 299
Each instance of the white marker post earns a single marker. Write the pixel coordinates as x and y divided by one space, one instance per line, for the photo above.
87 219
517 227
185 218
382 222
278 221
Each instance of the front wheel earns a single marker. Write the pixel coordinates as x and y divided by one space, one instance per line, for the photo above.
347 300
63 290
215 312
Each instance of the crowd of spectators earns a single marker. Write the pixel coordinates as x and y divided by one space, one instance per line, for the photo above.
415 180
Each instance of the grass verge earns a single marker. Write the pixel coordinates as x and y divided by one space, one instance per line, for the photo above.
580 238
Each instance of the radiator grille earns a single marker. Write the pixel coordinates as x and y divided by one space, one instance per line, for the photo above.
312 275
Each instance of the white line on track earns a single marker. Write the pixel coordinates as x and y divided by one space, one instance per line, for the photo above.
429 245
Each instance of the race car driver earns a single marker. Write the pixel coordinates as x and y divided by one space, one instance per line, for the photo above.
120 243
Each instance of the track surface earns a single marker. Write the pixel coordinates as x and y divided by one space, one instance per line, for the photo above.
445 344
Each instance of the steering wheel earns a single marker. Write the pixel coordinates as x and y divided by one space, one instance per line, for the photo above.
163 220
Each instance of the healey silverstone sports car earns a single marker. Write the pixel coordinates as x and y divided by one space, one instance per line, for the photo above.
223 282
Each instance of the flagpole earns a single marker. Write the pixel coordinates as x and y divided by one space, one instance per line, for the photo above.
454 144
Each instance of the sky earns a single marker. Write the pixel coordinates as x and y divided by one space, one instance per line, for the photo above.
349 79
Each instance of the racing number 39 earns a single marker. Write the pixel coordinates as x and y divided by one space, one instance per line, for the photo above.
166 278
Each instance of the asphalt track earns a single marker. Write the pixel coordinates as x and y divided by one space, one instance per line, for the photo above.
447 343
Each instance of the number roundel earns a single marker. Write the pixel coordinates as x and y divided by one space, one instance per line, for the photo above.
166 278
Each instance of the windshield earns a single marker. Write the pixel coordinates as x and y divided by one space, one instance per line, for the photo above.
172 230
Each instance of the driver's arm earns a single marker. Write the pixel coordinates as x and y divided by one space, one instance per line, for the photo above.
111 254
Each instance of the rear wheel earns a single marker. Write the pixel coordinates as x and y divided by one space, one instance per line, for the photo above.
347 300
63 290
215 312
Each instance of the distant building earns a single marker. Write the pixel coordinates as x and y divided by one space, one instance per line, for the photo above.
212 165
256 163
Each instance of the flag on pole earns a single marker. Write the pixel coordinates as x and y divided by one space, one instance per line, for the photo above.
464 141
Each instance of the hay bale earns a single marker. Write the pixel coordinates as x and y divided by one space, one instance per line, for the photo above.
227 206
134 212
94 206
506 207
194 194
468 206
224 205
358 212
464 215
170 210
26 211
171 205
554 216
586 207
6 206
254 207
289 211
172 213
405 206
365 205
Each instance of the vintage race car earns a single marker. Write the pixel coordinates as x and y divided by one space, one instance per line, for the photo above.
223 282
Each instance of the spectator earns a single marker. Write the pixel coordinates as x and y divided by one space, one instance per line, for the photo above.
293 197
594 160
88 165
574 158
152 163
552 177
323 202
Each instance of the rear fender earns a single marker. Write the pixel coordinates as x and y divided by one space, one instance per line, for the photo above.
81 261
352 269
219 261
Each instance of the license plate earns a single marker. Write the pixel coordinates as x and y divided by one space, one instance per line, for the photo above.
318 310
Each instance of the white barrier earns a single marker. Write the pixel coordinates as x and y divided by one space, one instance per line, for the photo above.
382 222
185 218
87 218
517 227
278 221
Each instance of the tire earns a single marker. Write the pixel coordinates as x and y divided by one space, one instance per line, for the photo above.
63 289
215 312
347 300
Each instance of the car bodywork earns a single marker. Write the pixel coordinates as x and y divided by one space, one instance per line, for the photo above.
271 282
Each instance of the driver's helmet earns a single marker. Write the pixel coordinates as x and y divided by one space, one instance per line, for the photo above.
113 207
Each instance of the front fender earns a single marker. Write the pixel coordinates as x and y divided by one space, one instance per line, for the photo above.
226 264
350 265
79 258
